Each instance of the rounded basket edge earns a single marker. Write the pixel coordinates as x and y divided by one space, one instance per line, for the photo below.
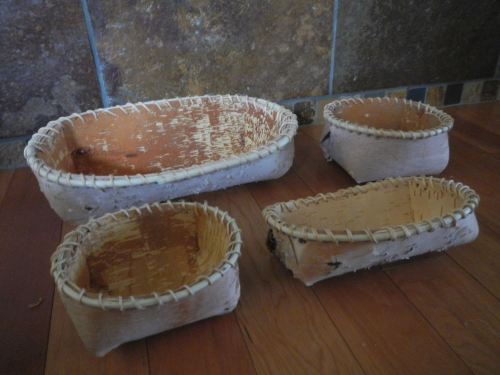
271 214
73 239
287 129
445 119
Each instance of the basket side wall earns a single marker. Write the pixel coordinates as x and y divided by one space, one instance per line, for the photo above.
313 261
102 331
367 158
78 204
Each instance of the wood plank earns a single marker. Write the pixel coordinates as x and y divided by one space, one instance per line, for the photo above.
479 170
30 233
5 177
212 346
441 300
459 308
371 313
385 331
217 344
311 166
470 164
478 126
286 329
483 115
481 258
67 355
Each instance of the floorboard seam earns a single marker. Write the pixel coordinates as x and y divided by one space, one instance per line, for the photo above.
472 276
419 312
51 310
340 332
250 356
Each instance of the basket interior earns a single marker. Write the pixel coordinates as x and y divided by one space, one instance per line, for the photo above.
159 140
150 253
374 209
388 115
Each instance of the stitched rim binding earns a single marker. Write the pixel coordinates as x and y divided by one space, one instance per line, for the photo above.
445 119
272 213
41 143
67 250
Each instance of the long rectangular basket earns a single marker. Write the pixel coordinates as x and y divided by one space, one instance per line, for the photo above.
100 161
377 138
331 234
141 271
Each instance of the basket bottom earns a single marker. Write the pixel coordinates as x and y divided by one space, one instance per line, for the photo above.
104 330
313 261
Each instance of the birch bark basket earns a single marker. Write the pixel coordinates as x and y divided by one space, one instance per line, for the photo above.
141 271
101 161
332 234
377 138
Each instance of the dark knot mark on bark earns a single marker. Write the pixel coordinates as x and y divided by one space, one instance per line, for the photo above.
271 241
335 264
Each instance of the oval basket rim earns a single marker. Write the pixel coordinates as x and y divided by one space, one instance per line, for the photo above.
70 246
445 119
273 212
40 142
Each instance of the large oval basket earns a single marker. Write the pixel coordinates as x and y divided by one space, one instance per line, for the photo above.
100 161
331 234
141 271
376 138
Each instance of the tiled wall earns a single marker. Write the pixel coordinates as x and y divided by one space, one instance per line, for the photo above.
310 110
66 56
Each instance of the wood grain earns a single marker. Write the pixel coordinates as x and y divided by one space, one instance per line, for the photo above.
30 232
311 166
475 344
212 346
5 177
459 308
484 115
286 329
481 258
384 330
371 313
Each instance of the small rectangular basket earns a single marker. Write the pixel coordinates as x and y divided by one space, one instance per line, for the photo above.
332 234
141 271
377 138
100 161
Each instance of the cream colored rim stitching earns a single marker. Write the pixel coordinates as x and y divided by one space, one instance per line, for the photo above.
445 119
40 142
272 214
64 254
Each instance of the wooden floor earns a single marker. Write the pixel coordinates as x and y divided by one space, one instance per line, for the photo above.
436 314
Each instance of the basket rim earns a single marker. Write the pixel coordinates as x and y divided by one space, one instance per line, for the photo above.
446 121
40 142
68 249
272 213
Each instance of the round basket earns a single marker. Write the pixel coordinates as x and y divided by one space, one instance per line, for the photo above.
377 138
388 117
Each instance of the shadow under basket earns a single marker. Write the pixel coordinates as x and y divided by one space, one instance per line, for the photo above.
138 272
332 234
101 161
377 138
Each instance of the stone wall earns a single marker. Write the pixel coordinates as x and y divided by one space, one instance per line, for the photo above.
58 57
